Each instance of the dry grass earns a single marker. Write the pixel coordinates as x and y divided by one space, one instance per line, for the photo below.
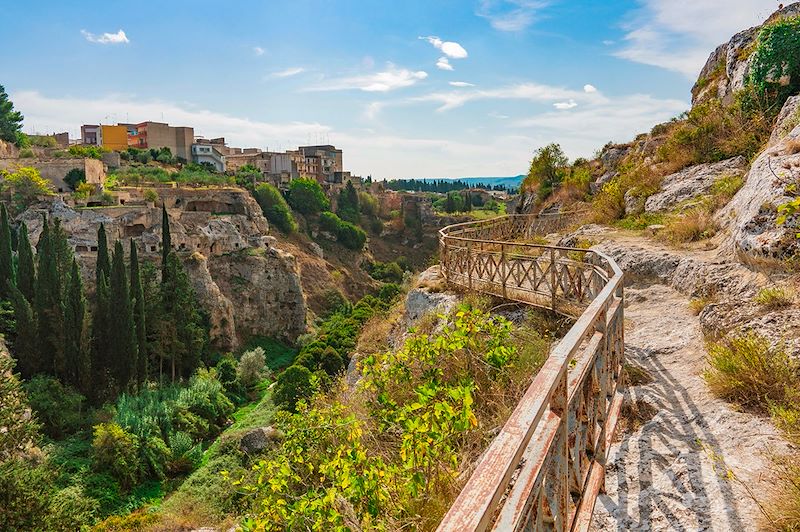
634 375
774 298
697 304
633 415
783 506
691 226
792 146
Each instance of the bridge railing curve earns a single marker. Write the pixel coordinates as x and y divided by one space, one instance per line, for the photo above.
546 467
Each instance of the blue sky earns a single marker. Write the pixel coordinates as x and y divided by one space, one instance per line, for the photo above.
412 88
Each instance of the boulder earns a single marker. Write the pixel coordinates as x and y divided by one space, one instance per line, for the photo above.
258 439
691 182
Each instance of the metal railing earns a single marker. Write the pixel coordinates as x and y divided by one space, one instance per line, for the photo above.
546 467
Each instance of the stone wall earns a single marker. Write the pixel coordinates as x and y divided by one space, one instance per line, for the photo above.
55 170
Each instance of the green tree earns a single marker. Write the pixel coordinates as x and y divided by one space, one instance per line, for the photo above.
25 345
26 185
6 257
450 203
75 352
10 120
26 270
100 335
103 265
467 201
306 196
275 207
75 177
48 306
348 208
166 239
293 384
139 318
122 337
181 331
546 171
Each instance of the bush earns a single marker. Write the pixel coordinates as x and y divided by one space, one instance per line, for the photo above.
252 367
774 297
695 224
26 184
26 153
294 384
60 408
150 195
275 207
347 234
116 452
91 152
84 190
748 371
390 272
74 177
306 196
24 494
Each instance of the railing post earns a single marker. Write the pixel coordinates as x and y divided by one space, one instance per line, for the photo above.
503 268
445 261
469 264
559 403
553 279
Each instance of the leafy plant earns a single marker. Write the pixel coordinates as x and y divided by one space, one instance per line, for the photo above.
275 207
774 297
306 196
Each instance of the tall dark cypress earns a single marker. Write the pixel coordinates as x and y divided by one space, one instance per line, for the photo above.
25 345
166 239
122 339
75 355
6 257
139 313
26 271
100 335
48 306
103 264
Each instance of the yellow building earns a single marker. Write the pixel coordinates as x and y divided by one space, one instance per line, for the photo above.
115 137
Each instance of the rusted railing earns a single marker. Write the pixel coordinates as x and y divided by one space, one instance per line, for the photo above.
545 468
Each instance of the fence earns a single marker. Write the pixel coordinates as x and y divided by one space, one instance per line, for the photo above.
546 467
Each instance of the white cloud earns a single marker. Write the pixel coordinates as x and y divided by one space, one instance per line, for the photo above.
679 35
524 91
288 72
510 15
106 38
258 50
373 109
589 88
390 79
451 49
565 105
500 116
443 64
461 84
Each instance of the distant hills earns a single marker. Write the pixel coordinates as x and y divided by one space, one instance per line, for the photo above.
508 182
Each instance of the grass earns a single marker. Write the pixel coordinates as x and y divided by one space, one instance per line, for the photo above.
697 304
690 226
635 375
633 415
774 298
278 354
640 221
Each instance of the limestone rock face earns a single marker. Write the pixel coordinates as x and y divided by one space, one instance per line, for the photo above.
220 309
727 67
265 290
752 213
692 182
422 300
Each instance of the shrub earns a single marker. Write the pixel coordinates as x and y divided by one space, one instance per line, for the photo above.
389 272
116 452
150 195
83 191
347 234
26 184
74 177
774 297
306 196
748 371
26 153
24 494
60 408
20 429
275 207
252 367
294 384
91 152
695 224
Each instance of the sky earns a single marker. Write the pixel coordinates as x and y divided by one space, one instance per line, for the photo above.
408 88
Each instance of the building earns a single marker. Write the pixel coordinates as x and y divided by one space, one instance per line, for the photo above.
91 135
211 152
320 162
114 137
157 135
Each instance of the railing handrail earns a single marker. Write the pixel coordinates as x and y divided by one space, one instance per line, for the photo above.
538 428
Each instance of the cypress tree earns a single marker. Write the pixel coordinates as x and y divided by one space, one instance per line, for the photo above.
26 271
6 257
166 239
182 335
63 256
100 333
77 364
103 264
48 306
122 338
25 347
139 312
